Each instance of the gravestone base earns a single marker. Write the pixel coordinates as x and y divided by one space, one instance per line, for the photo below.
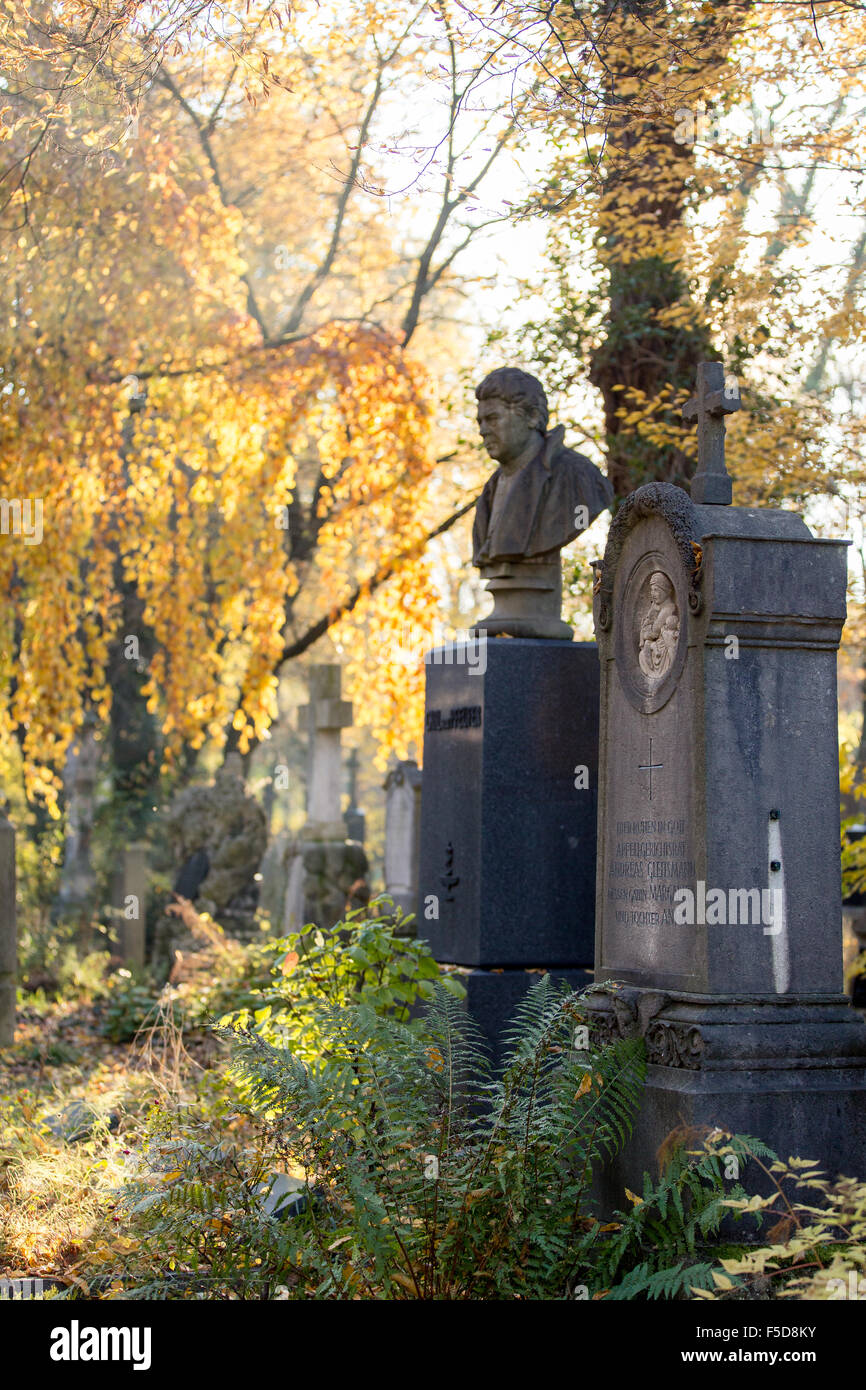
791 1073
325 877
493 995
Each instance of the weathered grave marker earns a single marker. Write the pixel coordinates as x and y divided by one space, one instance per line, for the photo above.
77 889
322 865
718 882
353 816
129 900
403 835
325 717
8 931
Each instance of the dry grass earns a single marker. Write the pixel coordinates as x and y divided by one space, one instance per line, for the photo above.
58 1196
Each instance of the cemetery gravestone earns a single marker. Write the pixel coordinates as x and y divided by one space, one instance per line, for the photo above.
353 816
403 835
78 879
718 881
325 870
8 931
324 718
129 900
507 860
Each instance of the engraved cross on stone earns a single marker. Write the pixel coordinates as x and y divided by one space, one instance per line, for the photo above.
715 399
650 767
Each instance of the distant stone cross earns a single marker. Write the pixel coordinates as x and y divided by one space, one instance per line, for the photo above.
716 397
650 767
325 716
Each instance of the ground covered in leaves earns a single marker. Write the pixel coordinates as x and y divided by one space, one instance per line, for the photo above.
73 1124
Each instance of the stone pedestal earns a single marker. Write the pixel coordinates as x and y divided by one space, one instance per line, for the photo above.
8 932
323 877
508 828
527 599
718 884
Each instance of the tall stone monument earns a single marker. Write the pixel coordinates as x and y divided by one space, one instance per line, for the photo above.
507 860
403 835
8 931
718 880
325 870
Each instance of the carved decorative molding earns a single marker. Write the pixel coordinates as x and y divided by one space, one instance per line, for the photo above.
674 506
669 1042
674 1045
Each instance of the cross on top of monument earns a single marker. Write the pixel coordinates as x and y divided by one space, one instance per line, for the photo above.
324 717
717 396
326 710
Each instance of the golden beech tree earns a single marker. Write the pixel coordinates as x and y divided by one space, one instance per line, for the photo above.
215 375
224 355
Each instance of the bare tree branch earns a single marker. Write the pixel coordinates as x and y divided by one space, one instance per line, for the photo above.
369 586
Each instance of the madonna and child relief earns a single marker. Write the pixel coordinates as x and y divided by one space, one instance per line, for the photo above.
659 630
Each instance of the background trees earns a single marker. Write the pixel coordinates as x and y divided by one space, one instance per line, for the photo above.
215 367
236 337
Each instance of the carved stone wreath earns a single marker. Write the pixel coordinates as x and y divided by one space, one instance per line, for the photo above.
674 1045
674 506
669 1043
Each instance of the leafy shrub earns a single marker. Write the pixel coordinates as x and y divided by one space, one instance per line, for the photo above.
220 975
813 1252
362 960
130 1005
51 961
420 1174
427 1176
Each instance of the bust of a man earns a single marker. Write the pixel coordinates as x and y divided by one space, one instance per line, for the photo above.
542 494
540 497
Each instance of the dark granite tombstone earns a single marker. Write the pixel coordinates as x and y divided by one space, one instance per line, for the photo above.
718 881
507 862
508 817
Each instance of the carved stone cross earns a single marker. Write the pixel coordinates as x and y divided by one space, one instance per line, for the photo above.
324 717
714 400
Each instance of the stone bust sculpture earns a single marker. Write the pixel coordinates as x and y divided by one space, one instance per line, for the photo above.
659 629
541 496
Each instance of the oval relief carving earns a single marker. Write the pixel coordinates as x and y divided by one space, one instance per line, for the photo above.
651 635
659 630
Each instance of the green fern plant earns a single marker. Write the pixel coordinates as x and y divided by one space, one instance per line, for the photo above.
419 1173
656 1251
365 958
427 1176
